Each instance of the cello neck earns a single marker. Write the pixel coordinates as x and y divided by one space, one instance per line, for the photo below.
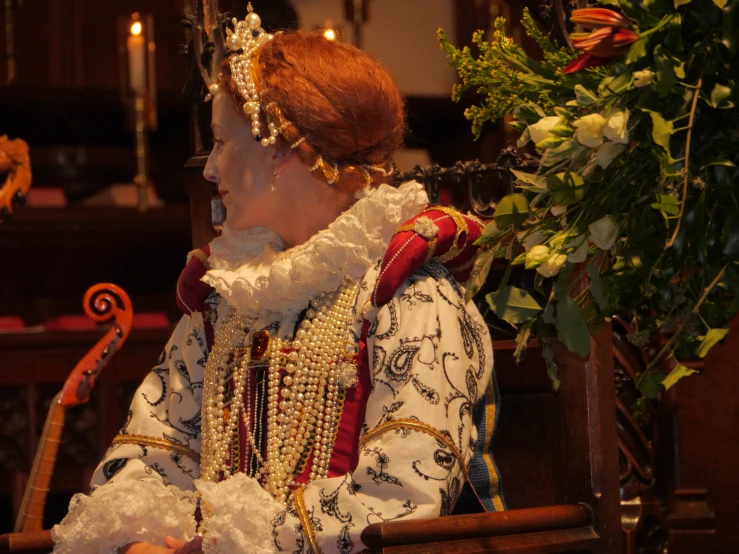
31 513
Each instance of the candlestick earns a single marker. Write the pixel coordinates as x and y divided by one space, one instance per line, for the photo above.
136 57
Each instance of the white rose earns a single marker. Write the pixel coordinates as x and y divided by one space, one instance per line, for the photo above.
643 78
607 152
615 128
558 210
552 265
603 233
536 256
540 130
531 239
589 130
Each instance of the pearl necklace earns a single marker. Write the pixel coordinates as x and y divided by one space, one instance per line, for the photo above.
217 428
305 389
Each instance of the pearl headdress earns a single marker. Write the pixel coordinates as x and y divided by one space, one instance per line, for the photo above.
243 41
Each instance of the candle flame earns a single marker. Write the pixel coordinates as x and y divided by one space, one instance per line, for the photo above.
136 28
330 34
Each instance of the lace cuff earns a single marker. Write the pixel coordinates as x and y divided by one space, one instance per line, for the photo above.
117 514
236 516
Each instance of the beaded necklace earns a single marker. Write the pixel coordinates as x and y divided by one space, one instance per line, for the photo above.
305 389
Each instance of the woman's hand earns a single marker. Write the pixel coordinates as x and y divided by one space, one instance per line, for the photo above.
174 546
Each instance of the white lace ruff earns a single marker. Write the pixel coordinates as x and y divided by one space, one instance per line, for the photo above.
239 516
250 270
121 513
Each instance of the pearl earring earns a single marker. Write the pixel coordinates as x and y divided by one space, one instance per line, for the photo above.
273 184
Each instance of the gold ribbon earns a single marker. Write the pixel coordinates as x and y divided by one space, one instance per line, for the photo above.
304 517
416 426
157 443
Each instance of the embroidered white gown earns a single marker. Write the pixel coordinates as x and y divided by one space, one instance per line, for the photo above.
430 360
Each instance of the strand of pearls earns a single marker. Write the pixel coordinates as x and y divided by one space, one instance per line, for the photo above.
304 390
304 413
217 429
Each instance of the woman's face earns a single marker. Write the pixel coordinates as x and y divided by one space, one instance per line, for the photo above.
240 167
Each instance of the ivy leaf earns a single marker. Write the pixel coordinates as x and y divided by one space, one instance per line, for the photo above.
512 209
719 94
661 130
677 373
572 330
729 26
708 162
668 69
513 305
522 340
709 340
651 383
666 205
636 51
548 354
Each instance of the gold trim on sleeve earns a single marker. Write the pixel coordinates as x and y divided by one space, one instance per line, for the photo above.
308 531
157 443
416 426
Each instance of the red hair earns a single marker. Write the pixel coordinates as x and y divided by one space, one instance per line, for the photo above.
341 101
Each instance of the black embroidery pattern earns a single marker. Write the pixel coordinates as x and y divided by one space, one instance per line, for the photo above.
159 470
176 457
111 467
381 462
163 374
277 521
345 543
393 329
413 296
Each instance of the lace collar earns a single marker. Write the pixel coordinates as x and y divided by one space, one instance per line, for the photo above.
256 275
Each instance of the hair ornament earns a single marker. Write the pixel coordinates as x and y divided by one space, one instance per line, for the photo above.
246 37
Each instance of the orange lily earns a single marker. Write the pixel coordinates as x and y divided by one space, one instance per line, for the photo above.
593 18
584 61
606 42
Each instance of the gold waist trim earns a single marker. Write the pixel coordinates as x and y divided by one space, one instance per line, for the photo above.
157 443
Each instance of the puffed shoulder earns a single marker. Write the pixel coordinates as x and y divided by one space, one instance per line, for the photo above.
436 234
191 291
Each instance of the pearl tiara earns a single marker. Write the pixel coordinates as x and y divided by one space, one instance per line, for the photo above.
243 41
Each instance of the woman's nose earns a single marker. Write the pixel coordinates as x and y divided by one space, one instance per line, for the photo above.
211 171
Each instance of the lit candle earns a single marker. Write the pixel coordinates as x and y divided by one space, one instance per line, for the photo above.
136 54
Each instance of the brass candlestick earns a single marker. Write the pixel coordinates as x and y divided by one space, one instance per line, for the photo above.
138 92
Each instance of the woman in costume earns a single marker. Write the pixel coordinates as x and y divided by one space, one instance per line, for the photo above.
326 374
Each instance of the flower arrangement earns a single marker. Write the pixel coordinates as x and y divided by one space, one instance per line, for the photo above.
637 140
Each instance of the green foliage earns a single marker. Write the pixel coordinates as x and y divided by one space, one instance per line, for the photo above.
503 73
512 304
637 189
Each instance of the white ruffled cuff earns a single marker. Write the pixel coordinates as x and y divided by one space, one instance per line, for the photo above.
236 516
117 514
